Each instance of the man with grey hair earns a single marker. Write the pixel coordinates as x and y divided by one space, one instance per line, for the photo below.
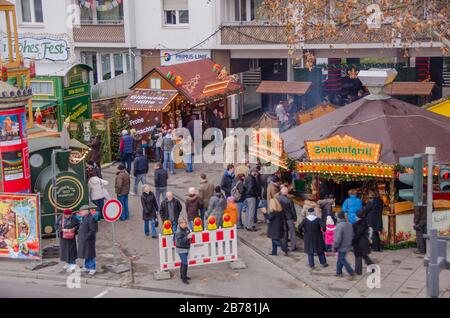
170 210
290 215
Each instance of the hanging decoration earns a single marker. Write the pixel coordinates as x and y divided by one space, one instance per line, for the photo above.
33 68
99 5
178 81
223 73
216 68
353 74
170 75
4 72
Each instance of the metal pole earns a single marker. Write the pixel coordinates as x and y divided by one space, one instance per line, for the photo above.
430 151
433 266
54 193
114 243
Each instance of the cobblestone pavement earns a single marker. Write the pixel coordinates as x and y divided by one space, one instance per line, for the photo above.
402 271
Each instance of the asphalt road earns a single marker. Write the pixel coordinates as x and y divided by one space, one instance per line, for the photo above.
12 287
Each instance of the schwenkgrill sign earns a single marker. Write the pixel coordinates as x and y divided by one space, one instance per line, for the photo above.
345 148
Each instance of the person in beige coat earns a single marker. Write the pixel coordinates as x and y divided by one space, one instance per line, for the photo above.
205 192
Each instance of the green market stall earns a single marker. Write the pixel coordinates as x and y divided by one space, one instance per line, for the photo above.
59 92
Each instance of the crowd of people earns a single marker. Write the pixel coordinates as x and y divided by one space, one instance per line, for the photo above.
243 190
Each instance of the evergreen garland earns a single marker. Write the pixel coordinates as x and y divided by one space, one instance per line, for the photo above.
119 122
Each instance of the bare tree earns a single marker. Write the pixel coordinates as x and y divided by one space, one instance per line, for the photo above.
404 23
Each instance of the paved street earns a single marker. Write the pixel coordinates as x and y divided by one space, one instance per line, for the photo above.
37 288
402 272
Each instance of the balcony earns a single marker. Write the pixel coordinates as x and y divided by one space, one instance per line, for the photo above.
250 33
100 32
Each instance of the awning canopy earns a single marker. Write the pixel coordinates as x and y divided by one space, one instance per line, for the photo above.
280 87
43 105
149 100
409 88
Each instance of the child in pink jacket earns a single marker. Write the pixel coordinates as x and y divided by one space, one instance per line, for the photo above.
329 234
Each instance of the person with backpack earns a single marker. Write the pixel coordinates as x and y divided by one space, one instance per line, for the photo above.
217 206
238 192
140 171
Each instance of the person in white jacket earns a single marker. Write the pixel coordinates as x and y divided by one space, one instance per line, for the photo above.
98 192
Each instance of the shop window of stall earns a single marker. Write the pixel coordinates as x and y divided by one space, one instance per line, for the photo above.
31 11
176 12
42 88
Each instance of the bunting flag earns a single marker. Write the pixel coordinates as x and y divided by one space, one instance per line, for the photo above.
100 5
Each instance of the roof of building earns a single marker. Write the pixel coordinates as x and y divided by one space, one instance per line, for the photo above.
441 108
283 87
409 88
401 128
199 82
37 144
57 69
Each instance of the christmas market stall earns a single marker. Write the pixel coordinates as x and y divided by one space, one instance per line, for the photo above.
60 92
358 146
174 93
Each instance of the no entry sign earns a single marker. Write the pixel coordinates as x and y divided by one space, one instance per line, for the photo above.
112 210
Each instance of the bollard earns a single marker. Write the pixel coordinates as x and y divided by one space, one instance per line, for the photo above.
433 267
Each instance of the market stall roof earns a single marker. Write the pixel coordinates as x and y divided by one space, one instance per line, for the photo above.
441 108
37 144
409 88
149 100
42 105
200 82
283 87
401 128
56 69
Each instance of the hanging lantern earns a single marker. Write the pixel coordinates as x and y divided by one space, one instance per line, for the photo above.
4 73
178 81
33 68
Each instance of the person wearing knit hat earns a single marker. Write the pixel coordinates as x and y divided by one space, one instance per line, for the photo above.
66 228
126 148
311 228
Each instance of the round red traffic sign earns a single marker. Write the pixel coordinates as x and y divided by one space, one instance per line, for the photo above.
112 210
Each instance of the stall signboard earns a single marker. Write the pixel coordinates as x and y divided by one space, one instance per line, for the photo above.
345 148
269 146
170 57
42 47
19 226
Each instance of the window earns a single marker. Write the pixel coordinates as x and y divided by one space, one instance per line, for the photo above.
176 12
106 66
42 88
94 16
155 83
247 10
118 64
32 11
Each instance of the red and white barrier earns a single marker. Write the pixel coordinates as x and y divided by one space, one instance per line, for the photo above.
207 247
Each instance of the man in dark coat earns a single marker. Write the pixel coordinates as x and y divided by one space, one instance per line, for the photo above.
161 177
96 154
290 216
170 210
86 240
149 210
227 180
374 211
361 246
194 205
253 193
67 247
420 225
311 228
140 171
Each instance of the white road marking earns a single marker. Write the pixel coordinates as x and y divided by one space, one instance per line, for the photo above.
103 293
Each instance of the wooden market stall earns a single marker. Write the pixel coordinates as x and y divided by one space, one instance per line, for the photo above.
174 93
359 145
283 88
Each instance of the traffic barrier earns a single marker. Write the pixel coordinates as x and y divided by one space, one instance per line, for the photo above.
212 223
207 247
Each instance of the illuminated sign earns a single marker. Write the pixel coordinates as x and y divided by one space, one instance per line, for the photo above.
345 148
